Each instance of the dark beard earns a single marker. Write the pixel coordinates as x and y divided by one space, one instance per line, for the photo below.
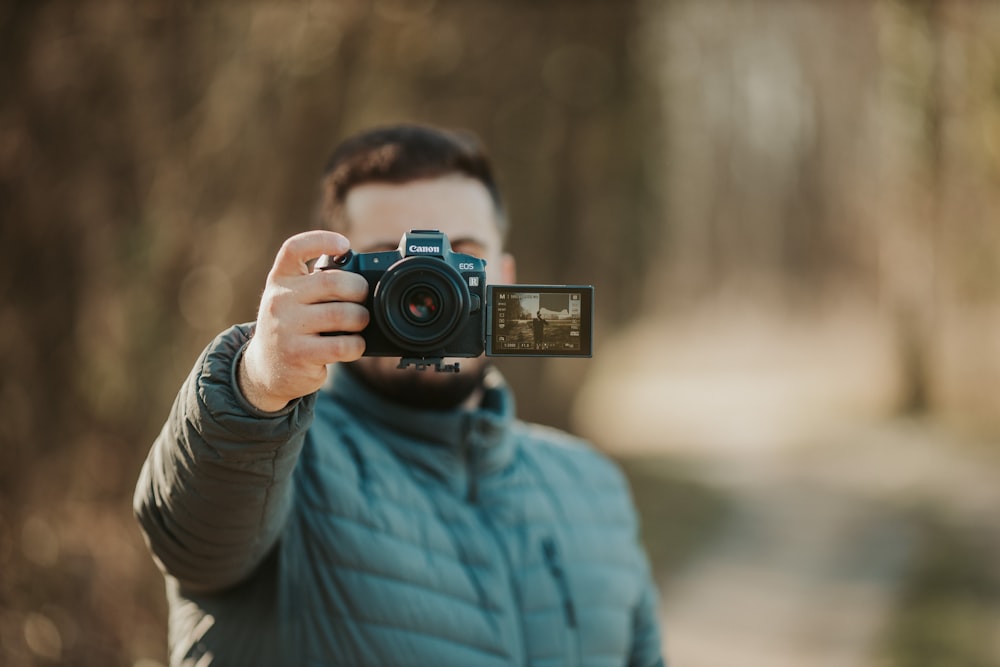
411 387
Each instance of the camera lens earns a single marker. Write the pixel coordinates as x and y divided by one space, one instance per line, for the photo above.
422 304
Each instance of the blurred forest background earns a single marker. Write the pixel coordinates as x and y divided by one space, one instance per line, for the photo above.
789 210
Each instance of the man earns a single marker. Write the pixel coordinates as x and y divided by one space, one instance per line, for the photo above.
311 506
538 325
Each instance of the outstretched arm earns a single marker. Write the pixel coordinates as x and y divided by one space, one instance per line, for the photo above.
215 491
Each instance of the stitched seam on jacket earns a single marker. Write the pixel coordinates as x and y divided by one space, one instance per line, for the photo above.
419 546
415 584
421 633
558 609
576 519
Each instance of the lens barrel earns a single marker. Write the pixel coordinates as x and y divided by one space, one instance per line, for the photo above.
420 303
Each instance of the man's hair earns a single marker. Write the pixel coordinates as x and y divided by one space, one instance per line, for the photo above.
401 154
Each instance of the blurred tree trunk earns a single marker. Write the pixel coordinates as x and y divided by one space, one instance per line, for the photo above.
916 314
916 58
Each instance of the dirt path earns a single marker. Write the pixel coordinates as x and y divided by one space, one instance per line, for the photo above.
806 571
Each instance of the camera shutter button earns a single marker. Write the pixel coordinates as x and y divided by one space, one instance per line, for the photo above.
341 260
328 262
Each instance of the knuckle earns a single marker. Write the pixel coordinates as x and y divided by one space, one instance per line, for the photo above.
270 307
355 316
349 317
359 286
346 285
347 348
288 248
274 303
294 351
330 280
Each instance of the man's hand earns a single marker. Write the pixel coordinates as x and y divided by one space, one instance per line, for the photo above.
287 356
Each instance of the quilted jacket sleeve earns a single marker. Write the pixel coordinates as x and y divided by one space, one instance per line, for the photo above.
215 490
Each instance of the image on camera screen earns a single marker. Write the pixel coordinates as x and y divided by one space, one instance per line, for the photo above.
540 320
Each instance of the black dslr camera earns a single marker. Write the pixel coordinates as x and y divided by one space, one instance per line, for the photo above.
428 303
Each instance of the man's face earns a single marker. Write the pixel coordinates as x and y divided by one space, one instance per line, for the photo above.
378 214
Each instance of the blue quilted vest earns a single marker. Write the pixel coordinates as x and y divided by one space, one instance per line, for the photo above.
390 536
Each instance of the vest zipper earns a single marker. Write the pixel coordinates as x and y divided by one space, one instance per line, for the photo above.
469 458
513 603
554 563
472 479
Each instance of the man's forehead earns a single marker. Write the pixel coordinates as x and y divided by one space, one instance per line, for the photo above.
461 207
426 191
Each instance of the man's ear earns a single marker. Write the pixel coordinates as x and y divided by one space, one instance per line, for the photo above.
508 269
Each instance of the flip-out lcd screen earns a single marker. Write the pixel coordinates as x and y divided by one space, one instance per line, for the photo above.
540 320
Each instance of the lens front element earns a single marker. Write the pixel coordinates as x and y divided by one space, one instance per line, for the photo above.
422 304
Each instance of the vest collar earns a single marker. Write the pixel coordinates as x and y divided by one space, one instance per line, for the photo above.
477 441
